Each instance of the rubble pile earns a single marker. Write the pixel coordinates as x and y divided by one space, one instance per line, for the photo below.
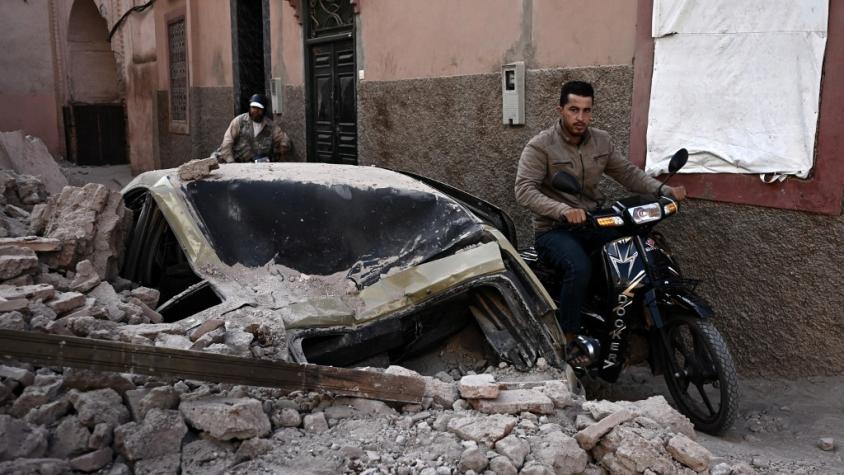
58 274
54 421
59 259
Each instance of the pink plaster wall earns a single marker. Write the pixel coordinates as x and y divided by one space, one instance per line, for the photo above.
27 85
91 64
583 32
435 38
287 52
211 43
402 40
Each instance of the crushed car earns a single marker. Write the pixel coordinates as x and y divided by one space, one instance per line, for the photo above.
336 264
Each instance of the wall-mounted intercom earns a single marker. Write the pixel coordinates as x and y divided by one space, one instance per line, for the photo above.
513 93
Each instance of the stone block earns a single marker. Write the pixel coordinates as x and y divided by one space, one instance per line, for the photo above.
207 457
162 397
178 342
315 422
560 452
29 292
16 261
486 429
19 439
558 392
92 461
106 297
198 168
478 386
86 277
168 464
66 301
588 437
252 449
102 405
21 375
207 326
288 417
35 396
160 433
689 453
658 409
515 401
49 413
69 439
12 321
36 243
472 459
227 418
502 465
146 295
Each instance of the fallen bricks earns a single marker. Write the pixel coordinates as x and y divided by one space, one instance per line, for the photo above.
62 419
200 427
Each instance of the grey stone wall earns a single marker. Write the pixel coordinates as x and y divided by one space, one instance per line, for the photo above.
211 110
450 128
773 276
292 121
775 280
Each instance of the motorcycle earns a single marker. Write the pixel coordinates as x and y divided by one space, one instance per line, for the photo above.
640 307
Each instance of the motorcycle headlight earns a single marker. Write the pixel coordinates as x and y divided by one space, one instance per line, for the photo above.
646 213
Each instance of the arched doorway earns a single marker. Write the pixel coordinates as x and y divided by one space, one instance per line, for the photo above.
95 124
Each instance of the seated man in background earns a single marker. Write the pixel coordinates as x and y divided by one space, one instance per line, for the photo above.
253 137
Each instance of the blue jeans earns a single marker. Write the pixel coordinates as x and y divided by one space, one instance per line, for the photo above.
567 250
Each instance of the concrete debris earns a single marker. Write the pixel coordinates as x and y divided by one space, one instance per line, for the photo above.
16 261
827 444
91 223
207 457
58 262
226 419
29 156
689 453
515 401
160 433
478 386
21 440
37 244
198 168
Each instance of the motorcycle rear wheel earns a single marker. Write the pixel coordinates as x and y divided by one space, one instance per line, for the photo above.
702 379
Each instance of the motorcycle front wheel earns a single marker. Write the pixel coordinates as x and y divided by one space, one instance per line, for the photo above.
700 374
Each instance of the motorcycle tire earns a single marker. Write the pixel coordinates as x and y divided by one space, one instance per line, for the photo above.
704 386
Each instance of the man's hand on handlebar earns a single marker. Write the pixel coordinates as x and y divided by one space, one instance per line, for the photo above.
575 216
676 192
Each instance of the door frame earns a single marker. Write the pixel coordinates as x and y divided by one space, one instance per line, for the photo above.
344 33
267 43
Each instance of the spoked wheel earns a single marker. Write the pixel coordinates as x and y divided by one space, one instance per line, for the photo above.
701 375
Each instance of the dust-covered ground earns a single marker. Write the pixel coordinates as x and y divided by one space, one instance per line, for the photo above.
780 421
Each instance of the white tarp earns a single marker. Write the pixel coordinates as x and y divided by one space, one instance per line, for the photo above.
737 83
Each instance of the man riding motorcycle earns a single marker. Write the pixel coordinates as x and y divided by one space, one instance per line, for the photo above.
587 153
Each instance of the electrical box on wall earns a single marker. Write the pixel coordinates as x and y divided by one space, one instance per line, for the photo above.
276 93
513 93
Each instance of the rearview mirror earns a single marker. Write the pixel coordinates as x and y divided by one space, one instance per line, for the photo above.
566 183
678 160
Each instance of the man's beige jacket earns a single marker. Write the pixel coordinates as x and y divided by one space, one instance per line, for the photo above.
554 150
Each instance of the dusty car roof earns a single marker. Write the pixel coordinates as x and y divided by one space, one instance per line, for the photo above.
327 174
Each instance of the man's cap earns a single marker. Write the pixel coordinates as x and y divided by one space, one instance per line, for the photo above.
258 101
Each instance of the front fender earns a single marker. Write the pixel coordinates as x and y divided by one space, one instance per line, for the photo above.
691 302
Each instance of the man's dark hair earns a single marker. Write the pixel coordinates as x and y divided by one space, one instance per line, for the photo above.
578 88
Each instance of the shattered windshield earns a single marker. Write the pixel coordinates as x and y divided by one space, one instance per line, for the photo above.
324 228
